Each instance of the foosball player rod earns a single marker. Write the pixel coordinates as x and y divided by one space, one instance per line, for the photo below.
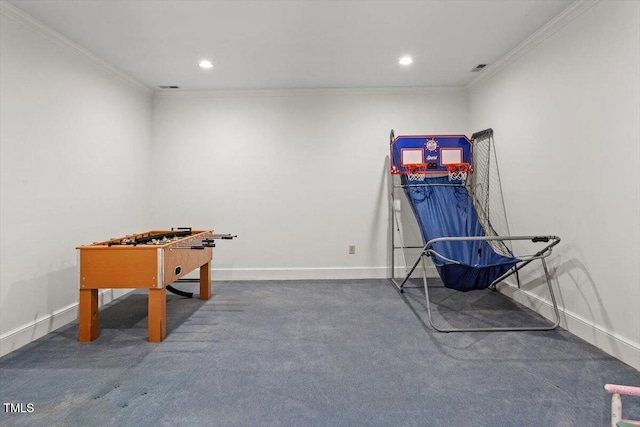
224 236
206 242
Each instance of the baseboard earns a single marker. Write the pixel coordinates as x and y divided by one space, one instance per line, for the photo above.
311 273
25 334
302 273
614 344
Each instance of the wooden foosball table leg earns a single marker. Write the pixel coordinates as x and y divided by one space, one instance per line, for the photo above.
157 314
205 281
88 315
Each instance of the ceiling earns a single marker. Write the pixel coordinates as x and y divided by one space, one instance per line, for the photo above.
297 43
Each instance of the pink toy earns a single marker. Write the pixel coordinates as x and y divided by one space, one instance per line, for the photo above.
616 402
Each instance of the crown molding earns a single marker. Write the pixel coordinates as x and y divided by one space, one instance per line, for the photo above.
19 16
565 17
259 93
560 21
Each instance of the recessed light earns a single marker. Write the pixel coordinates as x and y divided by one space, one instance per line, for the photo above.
405 60
206 64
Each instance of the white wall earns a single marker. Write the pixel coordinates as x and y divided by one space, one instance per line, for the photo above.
74 143
566 117
297 175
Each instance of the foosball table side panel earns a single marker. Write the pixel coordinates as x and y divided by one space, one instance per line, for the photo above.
179 262
118 267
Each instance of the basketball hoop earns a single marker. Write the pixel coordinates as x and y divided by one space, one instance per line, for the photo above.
458 171
416 172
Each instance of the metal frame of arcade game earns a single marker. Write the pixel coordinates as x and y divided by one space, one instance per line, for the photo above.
446 161
151 260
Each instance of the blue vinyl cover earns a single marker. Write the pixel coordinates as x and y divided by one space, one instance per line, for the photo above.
448 211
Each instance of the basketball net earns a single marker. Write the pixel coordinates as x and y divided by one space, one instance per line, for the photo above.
416 172
458 172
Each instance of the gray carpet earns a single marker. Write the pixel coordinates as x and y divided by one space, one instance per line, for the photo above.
313 353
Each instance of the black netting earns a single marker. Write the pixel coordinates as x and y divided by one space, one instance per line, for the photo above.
485 190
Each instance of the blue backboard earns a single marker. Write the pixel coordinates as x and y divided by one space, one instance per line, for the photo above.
434 151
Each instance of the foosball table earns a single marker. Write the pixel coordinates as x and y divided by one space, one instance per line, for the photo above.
151 260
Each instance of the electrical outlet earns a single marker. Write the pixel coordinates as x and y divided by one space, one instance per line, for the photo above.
352 249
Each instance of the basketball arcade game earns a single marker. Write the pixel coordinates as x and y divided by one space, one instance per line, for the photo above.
453 186
151 260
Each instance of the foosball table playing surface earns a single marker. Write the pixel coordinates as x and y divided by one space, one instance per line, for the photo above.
151 260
